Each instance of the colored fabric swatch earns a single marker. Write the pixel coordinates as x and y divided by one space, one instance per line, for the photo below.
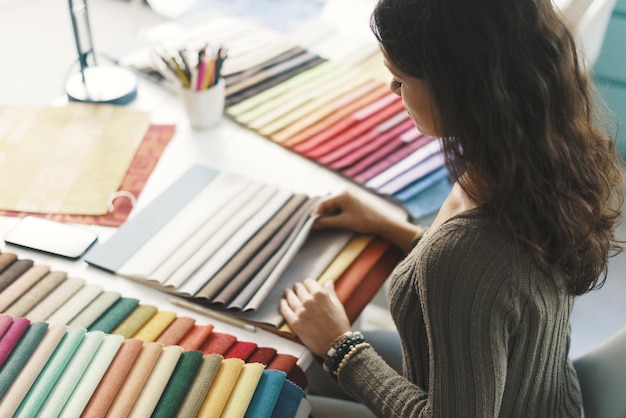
288 401
241 350
176 331
218 343
146 157
31 370
135 381
113 316
13 271
55 299
36 293
200 385
262 355
220 390
195 337
133 322
154 386
6 259
5 322
266 394
16 289
243 390
112 381
94 310
178 384
151 330
19 356
50 374
11 337
71 375
93 374
79 300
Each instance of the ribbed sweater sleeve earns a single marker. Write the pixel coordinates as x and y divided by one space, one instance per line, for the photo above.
485 333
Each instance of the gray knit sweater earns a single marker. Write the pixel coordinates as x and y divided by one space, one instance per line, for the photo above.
485 333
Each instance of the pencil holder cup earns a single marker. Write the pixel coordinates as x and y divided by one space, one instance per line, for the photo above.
204 108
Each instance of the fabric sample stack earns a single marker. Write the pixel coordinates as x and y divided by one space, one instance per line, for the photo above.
71 349
231 243
337 112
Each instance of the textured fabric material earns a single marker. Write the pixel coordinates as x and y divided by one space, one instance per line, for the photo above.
13 272
114 315
160 375
71 375
151 330
468 272
387 139
135 381
94 310
176 330
16 289
137 319
241 349
178 384
27 375
239 239
82 298
266 394
220 390
218 343
196 336
112 380
316 121
211 236
36 293
55 299
92 376
6 259
19 356
52 371
200 386
244 390
288 401
262 355
11 337
5 322
223 282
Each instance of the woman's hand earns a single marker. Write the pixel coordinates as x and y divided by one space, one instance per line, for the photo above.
315 314
347 211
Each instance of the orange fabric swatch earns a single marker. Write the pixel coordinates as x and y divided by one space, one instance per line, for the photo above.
195 337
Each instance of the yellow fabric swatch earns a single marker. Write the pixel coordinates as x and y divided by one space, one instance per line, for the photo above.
221 388
244 389
155 326
133 322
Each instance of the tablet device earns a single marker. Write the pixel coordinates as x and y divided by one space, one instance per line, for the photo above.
51 237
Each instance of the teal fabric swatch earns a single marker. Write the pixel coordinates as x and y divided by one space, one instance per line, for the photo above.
266 394
52 371
23 350
114 315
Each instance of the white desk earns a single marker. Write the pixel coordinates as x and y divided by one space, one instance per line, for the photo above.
226 147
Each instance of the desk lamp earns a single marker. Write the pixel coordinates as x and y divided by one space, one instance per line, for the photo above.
96 84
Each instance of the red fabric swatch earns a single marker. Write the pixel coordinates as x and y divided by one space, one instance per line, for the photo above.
218 343
241 350
262 355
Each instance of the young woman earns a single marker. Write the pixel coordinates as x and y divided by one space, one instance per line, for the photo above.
482 302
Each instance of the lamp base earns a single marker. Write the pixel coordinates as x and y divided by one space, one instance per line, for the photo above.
107 84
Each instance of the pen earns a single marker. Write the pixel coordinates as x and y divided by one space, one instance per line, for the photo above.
213 314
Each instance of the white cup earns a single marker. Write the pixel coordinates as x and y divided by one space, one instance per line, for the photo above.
204 108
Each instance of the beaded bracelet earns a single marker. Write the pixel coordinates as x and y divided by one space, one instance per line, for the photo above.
353 350
343 343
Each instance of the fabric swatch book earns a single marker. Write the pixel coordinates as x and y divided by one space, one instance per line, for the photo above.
70 348
323 96
230 243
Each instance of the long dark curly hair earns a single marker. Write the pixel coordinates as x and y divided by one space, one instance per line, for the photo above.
517 113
